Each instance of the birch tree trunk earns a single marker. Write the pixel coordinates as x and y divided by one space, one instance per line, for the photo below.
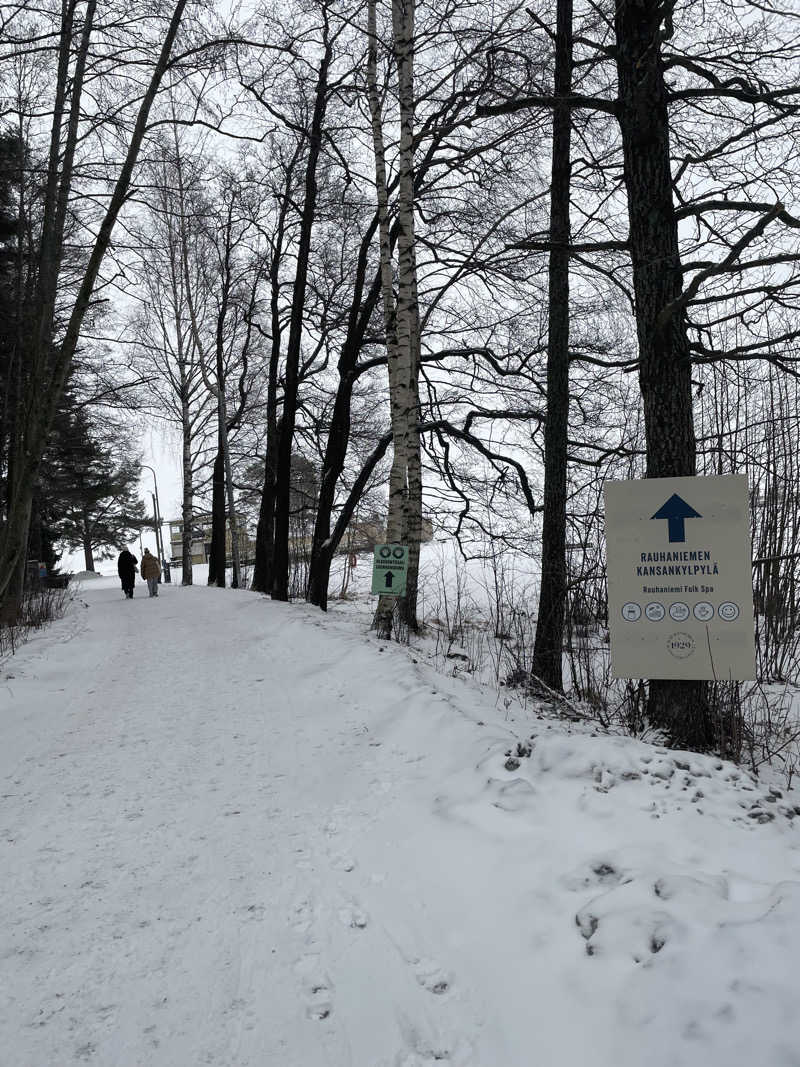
404 521
409 499
547 651
398 394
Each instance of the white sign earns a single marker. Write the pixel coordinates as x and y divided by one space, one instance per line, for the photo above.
680 587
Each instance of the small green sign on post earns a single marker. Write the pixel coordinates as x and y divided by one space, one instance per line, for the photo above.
390 570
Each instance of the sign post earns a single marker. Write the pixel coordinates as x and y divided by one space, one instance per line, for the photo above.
390 570
680 587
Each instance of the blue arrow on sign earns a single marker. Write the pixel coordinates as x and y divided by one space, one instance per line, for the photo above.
676 511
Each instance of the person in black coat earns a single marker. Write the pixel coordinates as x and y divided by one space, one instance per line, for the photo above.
126 568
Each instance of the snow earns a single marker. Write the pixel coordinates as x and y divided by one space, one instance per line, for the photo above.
237 832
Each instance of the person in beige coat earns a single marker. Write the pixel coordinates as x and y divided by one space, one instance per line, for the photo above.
151 571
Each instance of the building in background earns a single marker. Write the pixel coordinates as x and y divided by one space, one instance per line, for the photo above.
361 536
201 541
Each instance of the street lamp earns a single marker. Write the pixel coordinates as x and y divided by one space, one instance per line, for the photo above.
157 523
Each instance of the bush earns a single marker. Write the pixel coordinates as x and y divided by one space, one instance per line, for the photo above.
37 609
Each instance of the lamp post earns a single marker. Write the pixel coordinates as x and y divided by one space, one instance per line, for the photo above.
157 522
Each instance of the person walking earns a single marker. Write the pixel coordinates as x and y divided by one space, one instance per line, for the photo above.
151 572
126 569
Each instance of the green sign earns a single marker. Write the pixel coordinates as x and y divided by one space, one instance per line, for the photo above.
390 570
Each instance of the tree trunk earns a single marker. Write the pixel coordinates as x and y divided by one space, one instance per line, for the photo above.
232 524
322 548
346 513
547 650
398 391
283 472
361 309
216 561
413 523
16 539
408 498
188 494
265 533
88 554
679 708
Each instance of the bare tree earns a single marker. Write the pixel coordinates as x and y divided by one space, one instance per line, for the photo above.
165 347
49 351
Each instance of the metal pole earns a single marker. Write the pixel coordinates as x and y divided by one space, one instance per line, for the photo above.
157 517
155 525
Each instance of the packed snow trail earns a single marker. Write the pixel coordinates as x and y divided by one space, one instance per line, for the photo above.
180 781
241 833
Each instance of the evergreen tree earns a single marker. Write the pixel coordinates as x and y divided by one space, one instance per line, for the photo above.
88 490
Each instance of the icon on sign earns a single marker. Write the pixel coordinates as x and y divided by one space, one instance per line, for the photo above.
679 612
385 551
398 551
655 611
681 645
703 610
728 611
631 612
676 511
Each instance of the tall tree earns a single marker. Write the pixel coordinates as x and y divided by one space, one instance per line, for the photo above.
278 240
166 353
665 372
547 652
286 429
47 350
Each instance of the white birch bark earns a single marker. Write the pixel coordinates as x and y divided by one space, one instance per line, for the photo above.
397 391
408 321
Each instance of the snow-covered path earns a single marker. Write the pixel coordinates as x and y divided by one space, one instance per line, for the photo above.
242 833
181 786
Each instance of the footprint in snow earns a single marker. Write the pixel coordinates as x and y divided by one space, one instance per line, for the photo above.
353 916
302 916
421 1052
431 976
317 988
320 1005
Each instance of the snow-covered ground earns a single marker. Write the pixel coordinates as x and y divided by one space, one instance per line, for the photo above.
235 832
